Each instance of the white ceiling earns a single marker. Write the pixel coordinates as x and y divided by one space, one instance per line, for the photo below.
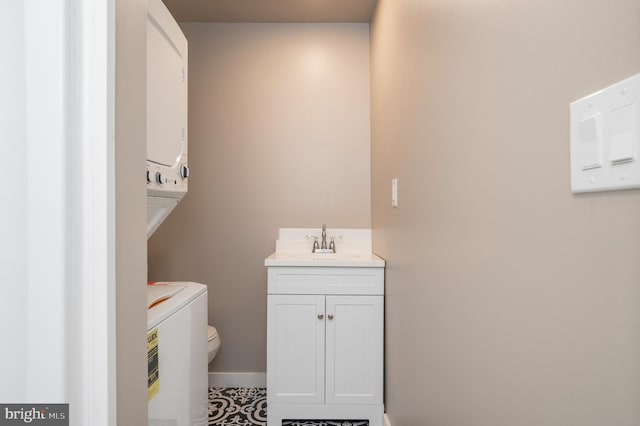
271 10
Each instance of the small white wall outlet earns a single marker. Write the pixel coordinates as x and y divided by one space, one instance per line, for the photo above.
394 193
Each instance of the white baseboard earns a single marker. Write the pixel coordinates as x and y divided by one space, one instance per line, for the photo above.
238 380
387 422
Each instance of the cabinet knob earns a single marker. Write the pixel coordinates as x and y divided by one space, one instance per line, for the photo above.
330 316
320 316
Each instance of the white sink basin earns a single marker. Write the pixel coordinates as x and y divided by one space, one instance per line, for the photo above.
353 246
325 259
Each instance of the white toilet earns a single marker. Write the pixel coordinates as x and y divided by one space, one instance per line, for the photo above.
214 343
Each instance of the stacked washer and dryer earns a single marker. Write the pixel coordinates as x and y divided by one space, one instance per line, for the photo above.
180 344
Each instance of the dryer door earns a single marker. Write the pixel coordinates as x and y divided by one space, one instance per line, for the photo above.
166 89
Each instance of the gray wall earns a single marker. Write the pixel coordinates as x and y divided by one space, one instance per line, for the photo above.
278 137
510 301
131 212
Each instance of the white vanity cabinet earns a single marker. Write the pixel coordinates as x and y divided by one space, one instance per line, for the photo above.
325 343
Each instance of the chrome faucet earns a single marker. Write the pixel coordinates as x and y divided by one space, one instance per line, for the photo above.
322 246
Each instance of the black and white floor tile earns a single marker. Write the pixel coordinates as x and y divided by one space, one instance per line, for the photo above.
237 406
248 407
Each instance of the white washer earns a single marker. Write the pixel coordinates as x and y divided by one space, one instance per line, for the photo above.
177 321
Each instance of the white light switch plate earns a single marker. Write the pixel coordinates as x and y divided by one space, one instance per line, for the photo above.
605 134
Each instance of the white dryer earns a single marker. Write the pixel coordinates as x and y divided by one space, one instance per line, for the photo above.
177 354
167 138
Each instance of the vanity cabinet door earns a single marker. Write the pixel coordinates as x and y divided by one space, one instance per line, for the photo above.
354 349
295 349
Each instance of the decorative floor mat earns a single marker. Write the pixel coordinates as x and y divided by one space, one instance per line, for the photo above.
248 407
325 423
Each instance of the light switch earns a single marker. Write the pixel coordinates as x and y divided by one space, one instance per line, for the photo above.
590 134
623 134
394 192
604 138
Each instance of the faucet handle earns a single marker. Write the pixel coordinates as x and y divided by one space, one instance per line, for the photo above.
316 246
332 245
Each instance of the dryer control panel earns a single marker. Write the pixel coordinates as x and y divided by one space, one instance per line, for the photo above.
165 181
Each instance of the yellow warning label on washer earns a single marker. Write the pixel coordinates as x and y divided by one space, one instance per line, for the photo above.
153 377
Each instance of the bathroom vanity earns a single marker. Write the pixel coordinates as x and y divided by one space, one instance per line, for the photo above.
325 329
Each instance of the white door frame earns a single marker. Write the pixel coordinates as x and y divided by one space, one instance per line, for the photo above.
98 176
57 229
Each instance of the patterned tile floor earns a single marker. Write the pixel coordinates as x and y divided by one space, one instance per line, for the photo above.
237 406
248 407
